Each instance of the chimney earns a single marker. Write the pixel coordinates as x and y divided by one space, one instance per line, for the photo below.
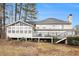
70 18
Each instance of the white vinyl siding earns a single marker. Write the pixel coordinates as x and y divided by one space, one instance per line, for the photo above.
67 26
49 26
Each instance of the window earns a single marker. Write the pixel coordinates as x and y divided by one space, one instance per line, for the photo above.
21 31
13 31
9 31
17 31
25 31
29 31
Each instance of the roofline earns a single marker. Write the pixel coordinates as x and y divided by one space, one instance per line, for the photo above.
55 30
17 22
51 23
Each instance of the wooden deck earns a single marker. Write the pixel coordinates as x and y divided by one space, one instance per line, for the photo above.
43 38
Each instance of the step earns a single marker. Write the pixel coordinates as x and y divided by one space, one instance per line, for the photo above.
61 40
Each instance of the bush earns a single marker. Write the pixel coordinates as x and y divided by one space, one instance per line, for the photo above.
73 40
55 39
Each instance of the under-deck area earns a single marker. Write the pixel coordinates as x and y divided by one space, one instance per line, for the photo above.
36 39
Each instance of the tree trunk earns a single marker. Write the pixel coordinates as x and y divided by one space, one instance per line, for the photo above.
20 11
15 12
3 26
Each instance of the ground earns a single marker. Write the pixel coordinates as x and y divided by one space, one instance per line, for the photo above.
23 48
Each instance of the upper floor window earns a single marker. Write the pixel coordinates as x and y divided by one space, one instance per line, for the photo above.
21 31
29 31
17 31
13 31
25 31
9 31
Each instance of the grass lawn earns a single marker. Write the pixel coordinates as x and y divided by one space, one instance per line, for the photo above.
23 48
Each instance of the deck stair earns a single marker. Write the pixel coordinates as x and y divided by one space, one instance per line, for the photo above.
62 37
61 40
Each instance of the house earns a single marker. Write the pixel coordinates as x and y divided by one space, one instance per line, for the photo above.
55 27
19 29
46 28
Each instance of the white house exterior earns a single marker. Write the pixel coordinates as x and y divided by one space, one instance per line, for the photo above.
19 29
45 28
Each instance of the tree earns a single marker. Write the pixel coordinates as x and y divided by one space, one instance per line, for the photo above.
20 10
30 11
9 13
3 29
25 9
1 12
15 11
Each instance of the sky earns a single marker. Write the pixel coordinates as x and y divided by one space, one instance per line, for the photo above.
59 11
56 10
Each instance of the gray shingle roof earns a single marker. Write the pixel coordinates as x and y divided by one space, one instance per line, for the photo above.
52 21
46 21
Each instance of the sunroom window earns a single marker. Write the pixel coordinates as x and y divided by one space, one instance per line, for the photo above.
9 31
29 31
17 31
21 31
13 31
25 31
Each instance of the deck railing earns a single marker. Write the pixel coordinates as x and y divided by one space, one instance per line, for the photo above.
60 36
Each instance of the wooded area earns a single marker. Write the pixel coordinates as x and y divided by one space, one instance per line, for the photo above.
10 13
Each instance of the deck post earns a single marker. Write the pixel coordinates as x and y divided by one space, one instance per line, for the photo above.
26 39
38 40
51 40
66 41
30 39
17 39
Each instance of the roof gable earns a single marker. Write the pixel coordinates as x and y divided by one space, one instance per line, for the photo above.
20 23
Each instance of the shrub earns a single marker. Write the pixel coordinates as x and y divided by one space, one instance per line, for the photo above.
73 40
55 38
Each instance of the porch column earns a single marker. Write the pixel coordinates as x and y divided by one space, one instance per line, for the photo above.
51 40
38 40
26 39
17 39
66 41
